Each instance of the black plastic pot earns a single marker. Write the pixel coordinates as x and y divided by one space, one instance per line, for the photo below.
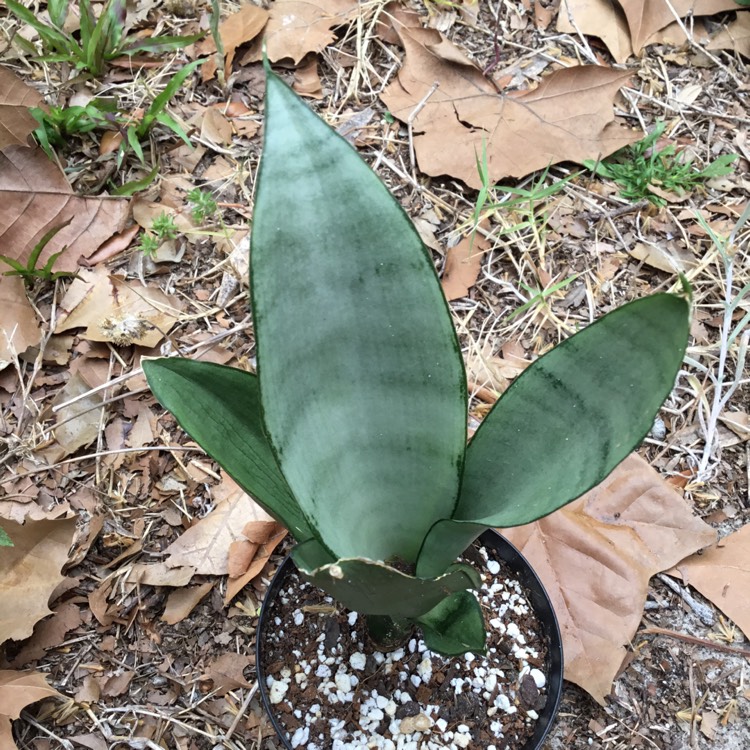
540 602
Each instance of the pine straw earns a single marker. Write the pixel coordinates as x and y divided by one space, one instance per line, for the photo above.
662 677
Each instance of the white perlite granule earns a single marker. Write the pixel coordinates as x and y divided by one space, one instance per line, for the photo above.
341 678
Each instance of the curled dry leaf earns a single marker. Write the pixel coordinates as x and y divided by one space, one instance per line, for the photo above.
238 29
462 265
722 575
647 17
16 122
595 557
117 311
32 565
49 634
600 18
205 545
568 117
260 555
18 690
36 197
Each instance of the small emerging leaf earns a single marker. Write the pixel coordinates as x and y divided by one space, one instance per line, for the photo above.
455 626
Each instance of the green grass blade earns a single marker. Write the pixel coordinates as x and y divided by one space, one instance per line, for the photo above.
362 381
219 407
173 87
158 44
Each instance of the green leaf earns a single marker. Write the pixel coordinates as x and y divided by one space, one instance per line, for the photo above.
455 626
5 540
574 414
173 87
219 407
371 587
566 422
362 382
51 37
58 11
444 543
158 44
135 186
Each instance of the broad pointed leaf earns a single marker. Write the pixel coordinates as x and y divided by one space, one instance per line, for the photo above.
219 407
455 626
566 422
362 381
371 587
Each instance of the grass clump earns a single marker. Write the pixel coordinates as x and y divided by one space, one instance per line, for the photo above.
645 172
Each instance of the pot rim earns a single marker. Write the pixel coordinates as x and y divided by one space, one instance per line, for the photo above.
541 605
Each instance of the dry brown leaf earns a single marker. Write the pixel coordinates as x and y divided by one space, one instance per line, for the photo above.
262 554
159 574
16 122
738 422
226 672
205 546
734 36
239 28
675 259
32 565
722 575
36 197
48 634
117 684
215 128
601 18
462 265
595 558
394 15
295 28
78 422
307 80
646 17
19 328
18 690
181 602
117 311
568 117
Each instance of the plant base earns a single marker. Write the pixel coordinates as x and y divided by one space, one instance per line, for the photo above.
325 684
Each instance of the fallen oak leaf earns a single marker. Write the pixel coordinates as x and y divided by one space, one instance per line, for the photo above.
205 545
235 30
32 565
568 117
18 690
600 18
181 602
36 197
296 28
19 328
647 17
261 555
16 122
226 672
595 558
722 575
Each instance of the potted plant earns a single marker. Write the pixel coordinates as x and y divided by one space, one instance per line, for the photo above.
353 433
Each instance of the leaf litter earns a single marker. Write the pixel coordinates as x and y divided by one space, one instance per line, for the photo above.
166 634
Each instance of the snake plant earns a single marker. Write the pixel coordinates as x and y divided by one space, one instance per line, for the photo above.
353 433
